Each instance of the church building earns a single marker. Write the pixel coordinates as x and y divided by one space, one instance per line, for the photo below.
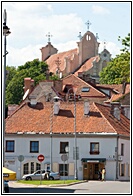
83 61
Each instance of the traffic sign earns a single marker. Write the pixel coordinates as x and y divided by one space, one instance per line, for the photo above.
40 157
20 158
64 157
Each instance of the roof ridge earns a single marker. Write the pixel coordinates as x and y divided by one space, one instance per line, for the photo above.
96 104
18 108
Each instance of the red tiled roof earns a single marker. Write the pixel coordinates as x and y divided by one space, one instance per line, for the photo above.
116 87
87 65
37 119
74 80
51 60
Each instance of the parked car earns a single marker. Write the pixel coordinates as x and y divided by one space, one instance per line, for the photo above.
6 186
37 175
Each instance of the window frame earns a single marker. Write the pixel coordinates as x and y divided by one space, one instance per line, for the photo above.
13 148
61 169
62 149
122 149
91 149
34 151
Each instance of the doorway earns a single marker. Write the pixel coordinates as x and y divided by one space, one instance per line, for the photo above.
90 170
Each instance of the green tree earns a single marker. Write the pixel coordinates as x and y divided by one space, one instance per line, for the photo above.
118 69
34 69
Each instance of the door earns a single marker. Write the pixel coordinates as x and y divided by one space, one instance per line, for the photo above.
90 170
85 171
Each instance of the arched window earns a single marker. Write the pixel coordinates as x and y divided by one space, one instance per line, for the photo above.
88 37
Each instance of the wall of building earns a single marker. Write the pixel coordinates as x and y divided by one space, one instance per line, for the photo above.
22 147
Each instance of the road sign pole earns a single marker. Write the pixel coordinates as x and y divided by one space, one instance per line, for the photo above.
41 174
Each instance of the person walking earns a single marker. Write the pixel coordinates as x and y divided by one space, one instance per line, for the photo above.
103 174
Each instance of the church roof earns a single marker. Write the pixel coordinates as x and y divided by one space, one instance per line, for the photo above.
87 65
51 61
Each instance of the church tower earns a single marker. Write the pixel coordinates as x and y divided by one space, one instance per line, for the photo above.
48 50
87 46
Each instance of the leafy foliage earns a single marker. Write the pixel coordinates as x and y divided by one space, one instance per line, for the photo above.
15 81
118 70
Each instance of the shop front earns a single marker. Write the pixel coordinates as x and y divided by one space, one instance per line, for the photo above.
91 167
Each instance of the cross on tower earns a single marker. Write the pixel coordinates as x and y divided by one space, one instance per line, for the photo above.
88 24
104 44
48 35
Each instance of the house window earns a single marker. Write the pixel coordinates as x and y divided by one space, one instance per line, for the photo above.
38 166
10 146
26 168
122 169
63 146
31 167
63 169
34 146
94 148
85 89
122 149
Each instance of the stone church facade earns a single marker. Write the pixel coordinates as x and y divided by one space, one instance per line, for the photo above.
83 61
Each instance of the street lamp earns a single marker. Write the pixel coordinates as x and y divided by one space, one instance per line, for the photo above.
6 32
75 157
75 137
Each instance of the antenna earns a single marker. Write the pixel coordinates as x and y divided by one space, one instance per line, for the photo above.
26 93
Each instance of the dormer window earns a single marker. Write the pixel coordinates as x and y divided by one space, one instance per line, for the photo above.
85 89
105 55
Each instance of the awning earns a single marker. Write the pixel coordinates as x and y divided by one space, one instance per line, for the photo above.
8 174
93 160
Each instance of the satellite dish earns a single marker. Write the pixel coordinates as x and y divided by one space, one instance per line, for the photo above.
26 93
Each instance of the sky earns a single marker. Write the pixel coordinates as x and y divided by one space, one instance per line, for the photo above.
30 23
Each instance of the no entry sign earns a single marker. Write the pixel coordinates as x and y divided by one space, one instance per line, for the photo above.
40 157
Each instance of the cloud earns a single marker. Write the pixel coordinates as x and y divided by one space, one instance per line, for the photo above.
17 57
96 9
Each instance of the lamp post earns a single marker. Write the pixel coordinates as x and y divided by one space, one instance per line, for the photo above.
75 136
6 32
74 88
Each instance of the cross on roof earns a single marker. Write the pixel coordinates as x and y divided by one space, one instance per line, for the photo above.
58 62
88 24
48 35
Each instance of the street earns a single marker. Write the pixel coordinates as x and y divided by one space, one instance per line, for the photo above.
82 188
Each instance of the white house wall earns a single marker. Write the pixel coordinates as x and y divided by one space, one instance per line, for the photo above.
107 150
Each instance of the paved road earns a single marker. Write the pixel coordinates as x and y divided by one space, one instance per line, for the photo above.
94 187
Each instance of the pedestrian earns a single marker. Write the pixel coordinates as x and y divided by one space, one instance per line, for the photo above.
99 175
103 174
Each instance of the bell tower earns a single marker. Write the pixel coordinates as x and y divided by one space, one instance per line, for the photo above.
48 50
88 45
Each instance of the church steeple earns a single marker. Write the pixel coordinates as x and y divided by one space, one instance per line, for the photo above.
88 45
48 50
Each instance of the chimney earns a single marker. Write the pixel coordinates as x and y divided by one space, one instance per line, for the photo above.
115 109
56 105
12 108
28 84
124 87
86 108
